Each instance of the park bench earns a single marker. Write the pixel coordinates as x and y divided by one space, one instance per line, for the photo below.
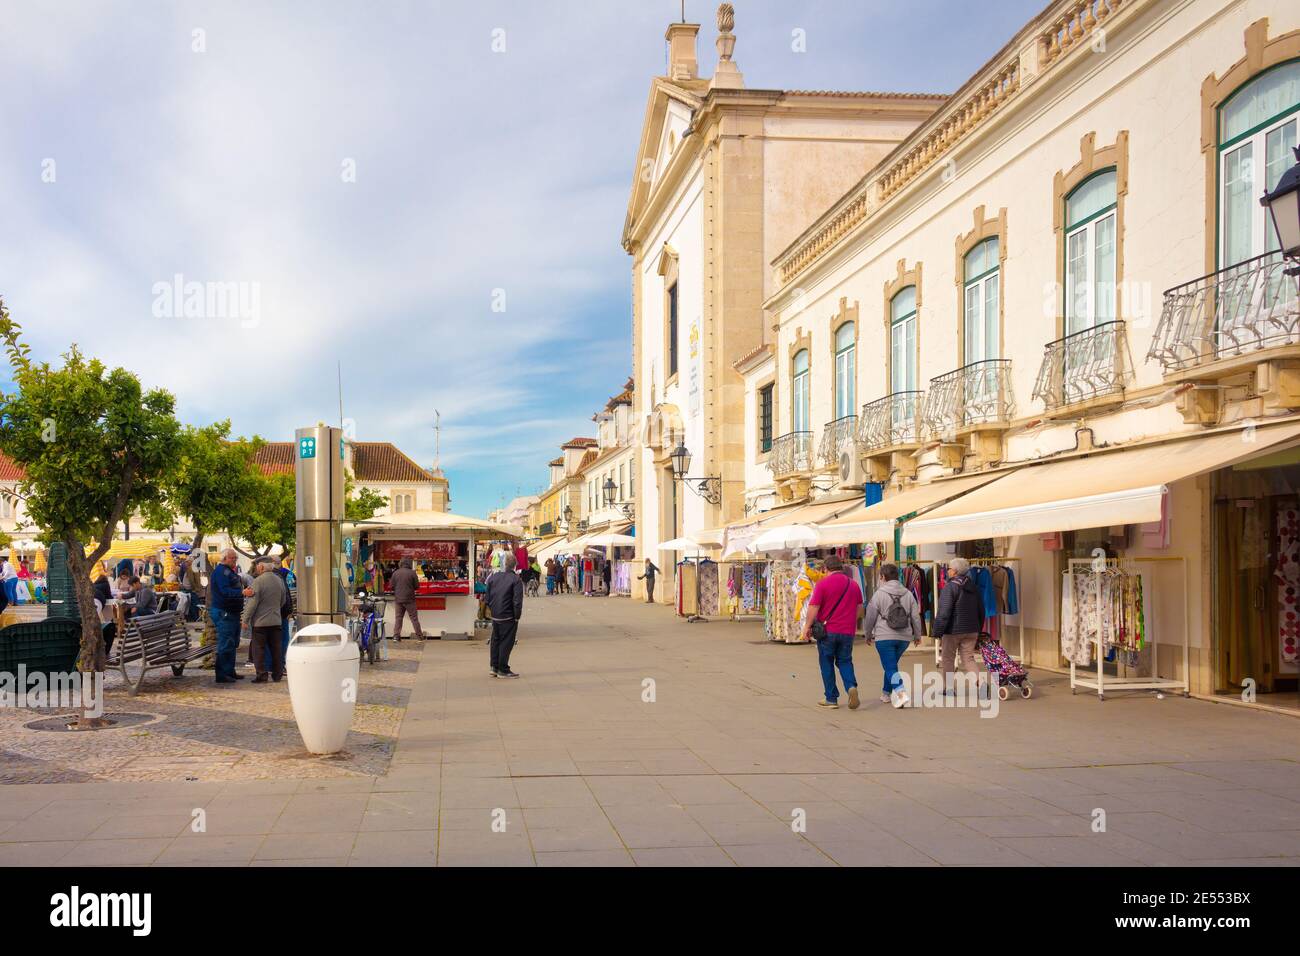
155 640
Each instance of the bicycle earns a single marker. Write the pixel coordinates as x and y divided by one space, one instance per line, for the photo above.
369 628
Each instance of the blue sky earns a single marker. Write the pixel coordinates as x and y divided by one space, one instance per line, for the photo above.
374 179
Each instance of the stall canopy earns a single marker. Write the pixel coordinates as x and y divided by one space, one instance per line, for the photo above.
876 522
1101 489
434 521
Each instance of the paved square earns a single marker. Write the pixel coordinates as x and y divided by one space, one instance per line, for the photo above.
731 763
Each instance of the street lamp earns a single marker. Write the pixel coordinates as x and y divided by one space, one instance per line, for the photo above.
568 517
1283 205
710 488
611 492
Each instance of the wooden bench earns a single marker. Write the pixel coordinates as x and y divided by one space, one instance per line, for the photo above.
155 640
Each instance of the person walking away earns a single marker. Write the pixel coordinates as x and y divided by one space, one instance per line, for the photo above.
505 602
606 576
226 595
550 575
958 622
263 613
836 604
405 584
649 578
893 618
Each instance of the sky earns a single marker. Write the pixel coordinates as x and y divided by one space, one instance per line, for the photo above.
429 193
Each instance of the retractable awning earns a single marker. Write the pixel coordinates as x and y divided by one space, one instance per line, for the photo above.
741 534
1101 489
876 522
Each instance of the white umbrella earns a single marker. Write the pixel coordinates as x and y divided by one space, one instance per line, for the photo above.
787 538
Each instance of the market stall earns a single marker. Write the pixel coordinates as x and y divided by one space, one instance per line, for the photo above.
443 549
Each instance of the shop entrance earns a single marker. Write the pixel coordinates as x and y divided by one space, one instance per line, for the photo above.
1257 578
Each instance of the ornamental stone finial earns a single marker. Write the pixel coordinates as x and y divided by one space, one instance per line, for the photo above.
726 18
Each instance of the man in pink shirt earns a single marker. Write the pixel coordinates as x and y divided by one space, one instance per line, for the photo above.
837 603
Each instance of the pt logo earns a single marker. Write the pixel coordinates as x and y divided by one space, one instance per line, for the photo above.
306 448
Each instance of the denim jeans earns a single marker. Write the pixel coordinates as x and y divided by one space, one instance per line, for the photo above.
284 639
891 652
836 651
227 626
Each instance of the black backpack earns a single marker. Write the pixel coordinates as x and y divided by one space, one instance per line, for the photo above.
897 616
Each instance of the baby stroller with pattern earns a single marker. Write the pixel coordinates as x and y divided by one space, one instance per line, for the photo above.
1010 673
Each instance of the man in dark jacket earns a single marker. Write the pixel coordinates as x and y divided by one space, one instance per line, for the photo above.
405 584
226 595
649 576
960 620
505 602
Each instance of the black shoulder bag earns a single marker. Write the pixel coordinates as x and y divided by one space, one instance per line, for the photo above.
819 625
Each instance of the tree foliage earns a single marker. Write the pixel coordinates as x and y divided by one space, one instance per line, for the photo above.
213 482
360 504
95 446
270 515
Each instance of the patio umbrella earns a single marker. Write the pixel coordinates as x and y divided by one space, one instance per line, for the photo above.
610 540
786 538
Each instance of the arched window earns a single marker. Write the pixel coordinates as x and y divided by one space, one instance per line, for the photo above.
1090 218
1257 131
801 411
982 287
902 341
845 370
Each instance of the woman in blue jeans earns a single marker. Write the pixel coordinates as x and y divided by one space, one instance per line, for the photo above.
893 619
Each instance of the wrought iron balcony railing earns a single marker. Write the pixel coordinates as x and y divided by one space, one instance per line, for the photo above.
791 454
1242 308
1084 365
836 436
892 420
975 394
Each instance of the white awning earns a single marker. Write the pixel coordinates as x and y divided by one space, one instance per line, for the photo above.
741 534
876 522
1102 489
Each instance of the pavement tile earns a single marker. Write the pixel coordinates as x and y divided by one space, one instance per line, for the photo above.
596 858
123 852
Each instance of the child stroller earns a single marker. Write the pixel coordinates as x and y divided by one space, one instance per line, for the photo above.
1010 673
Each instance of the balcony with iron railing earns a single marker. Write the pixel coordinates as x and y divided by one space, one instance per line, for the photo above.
836 436
1089 366
970 398
791 455
890 422
1219 319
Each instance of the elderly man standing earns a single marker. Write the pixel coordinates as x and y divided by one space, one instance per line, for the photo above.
405 585
505 602
263 615
958 623
226 595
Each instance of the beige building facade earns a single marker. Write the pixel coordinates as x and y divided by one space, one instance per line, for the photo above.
1065 264
725 177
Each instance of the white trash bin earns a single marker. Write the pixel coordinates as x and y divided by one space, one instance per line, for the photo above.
323 667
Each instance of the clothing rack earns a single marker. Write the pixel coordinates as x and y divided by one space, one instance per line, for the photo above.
987 563
1100 682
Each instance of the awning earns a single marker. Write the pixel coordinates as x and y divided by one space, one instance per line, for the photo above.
741 534
426 520
553 547
876 522
1102 489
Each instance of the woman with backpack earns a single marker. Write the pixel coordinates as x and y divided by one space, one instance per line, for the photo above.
893 619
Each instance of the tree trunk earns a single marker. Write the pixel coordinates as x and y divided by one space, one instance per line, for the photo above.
198 540
91 659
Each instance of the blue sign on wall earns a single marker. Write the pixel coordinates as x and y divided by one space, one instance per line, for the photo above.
306 448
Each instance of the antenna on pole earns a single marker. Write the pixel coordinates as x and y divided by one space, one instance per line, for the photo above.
683 11
437 439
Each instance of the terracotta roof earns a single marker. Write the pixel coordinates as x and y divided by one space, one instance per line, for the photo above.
752 354
580 443
10 470
557 461
379 461
275 458
587 459
622 398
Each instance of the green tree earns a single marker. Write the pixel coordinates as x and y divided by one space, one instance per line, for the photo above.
95 447
270 517
213 482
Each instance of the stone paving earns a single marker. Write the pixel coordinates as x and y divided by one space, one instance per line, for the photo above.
571 765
